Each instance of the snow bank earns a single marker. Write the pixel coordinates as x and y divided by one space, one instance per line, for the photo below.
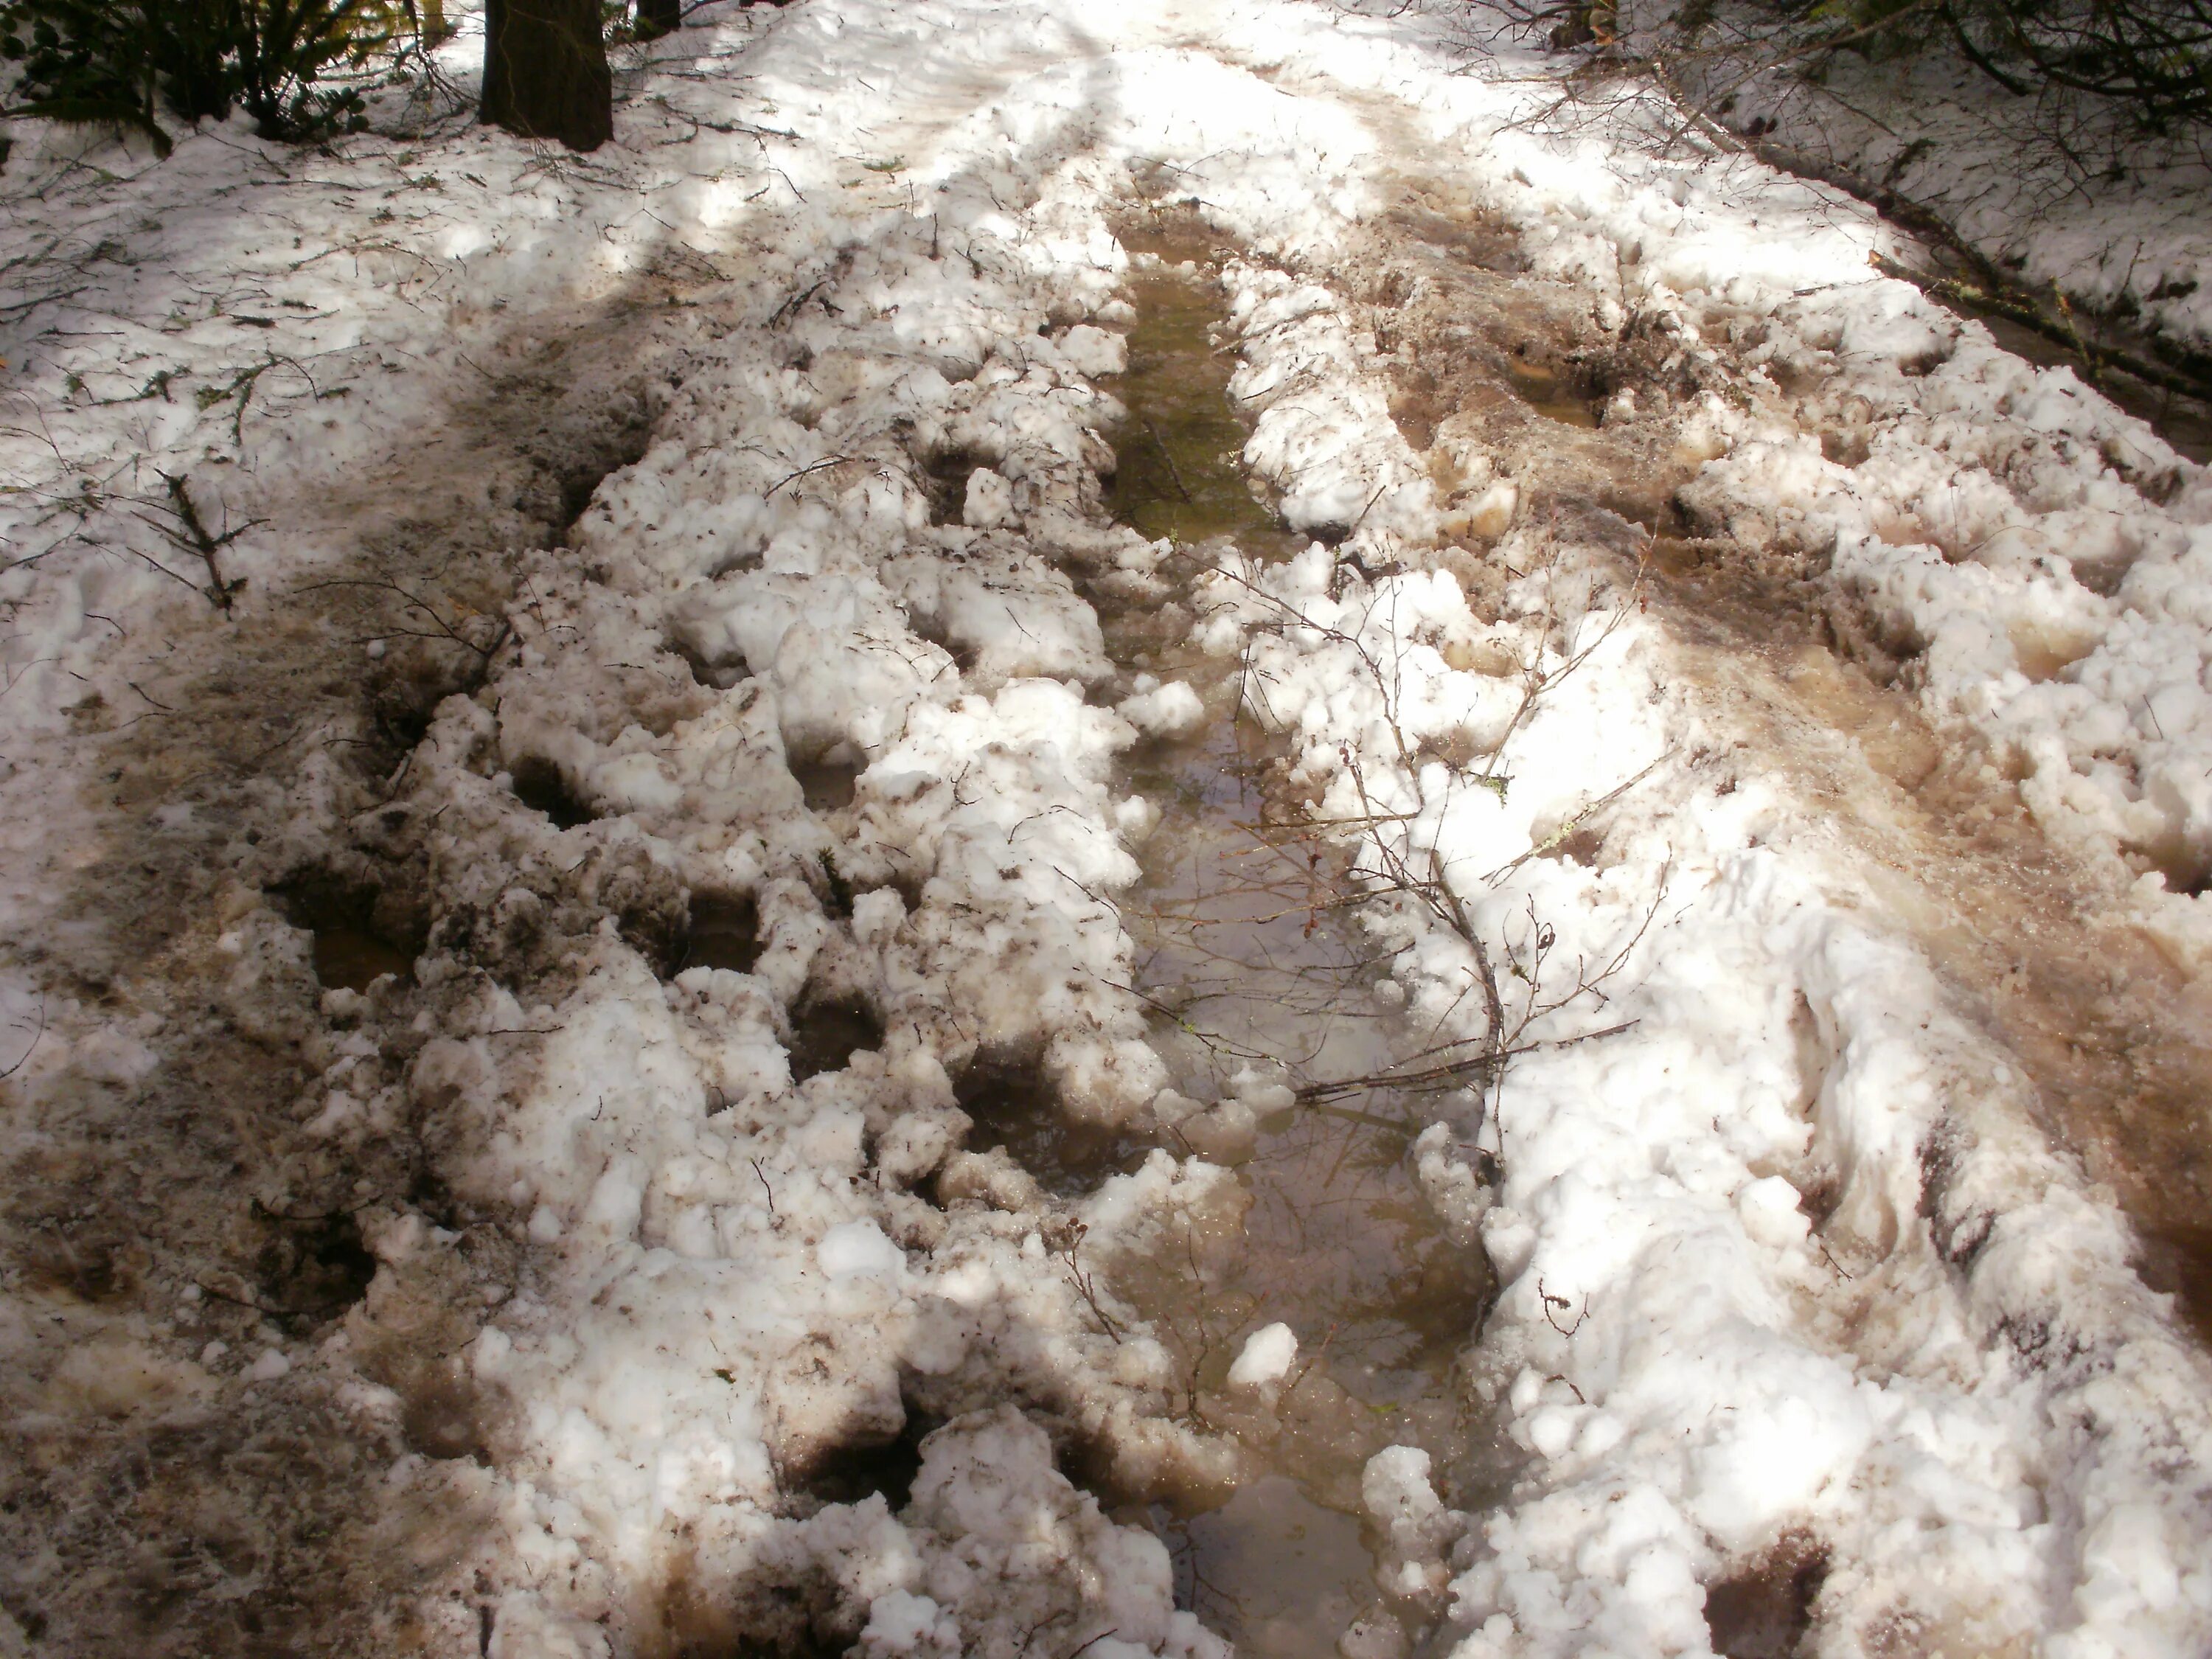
2113 214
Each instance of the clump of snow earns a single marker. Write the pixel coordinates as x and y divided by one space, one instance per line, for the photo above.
1266 1356
1001 1545
1172 710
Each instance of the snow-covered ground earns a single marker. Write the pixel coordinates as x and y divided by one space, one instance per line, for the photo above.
1795 1291
2061 189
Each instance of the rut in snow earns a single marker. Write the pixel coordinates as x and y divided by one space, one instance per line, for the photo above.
1261 981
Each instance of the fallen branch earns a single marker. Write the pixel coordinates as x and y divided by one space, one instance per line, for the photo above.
192 535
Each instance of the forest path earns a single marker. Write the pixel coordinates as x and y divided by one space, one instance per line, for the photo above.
754 761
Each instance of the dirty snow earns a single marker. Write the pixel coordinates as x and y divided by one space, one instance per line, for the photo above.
1781 1251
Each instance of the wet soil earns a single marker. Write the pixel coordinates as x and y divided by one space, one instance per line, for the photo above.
2031 941
185 1214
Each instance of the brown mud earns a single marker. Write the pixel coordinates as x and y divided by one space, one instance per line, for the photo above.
2032 941
185 1223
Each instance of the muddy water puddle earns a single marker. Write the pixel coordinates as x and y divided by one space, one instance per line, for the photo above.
350 948
1256 974
1260 982
1178 457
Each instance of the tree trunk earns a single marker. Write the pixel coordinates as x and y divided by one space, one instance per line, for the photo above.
657 17
545 71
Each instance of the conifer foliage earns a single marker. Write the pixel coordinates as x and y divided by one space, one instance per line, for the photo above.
132 61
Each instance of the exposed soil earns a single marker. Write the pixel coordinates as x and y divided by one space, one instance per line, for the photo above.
188 1512
2030 939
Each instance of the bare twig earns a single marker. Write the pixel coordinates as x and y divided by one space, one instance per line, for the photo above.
24 1059
190 534
413 604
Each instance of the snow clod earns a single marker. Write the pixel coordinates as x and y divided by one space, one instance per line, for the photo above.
1265 1356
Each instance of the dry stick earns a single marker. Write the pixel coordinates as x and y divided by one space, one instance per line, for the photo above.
150 561
1501 1043
1083 1283
446 631
1536 682
198 539
1572 825
835 460
1437 1079
24 1059
1153 433
1373 1121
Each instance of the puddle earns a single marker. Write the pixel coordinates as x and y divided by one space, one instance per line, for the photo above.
2177 1261
723 932
945 477
351 958
1241 949
444 1415
1242 954
826 1033
714 676
1273 1569
349 952
1178 459
1551 396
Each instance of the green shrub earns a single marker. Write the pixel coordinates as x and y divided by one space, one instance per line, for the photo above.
126 60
